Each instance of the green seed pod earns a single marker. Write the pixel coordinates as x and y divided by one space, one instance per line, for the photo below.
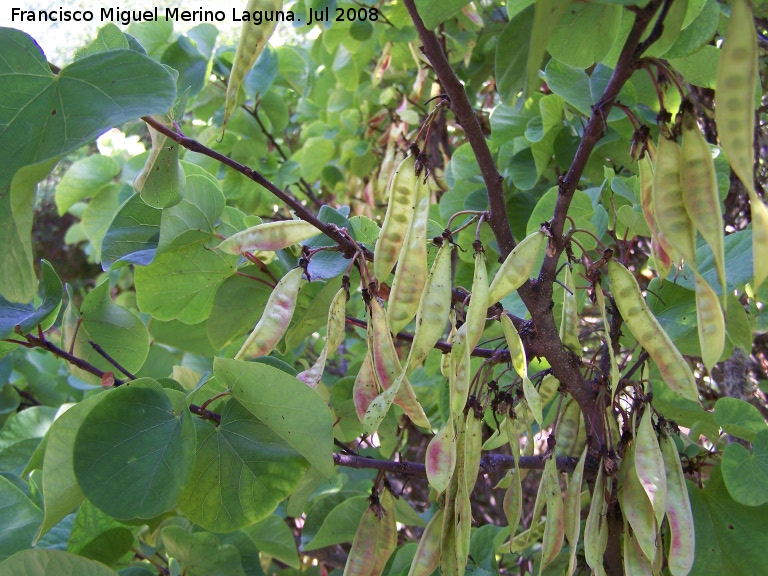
249 47
400 209
571 435
668 206
649 466
519 362
375 539
635 562
366 388
513 497
555 528
682 546
517 267
635 505
441 457
700 195
615 377
572 510
411 272
569 321
675 371
710 321
427 556
162 181
434 308
459 378
595 519
334 335
268 237
478 304
276 317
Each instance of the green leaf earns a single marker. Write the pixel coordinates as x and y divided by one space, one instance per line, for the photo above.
85 179
200 554
100 211
365 230
699 68
181 283
26 316
580 210
194 218
697 32
286 405
237 306
97 536
737 324
730 537
673 22
153 34
161 182
274 538
512 55
21 435
135 451
61 491
109 37
340 524
746 472
117 330
435 12
250 558
48 562
133 234
20 520
547 13
316 153
683 411
191 65
17 197
574 41
243 470
675 308
739 418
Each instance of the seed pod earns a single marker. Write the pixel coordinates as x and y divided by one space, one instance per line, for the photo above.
595 519
400 209
735 117
478 304
519 362
445 359
387 366
668 206
334 335
682 546
434 308
572 512
569 321
459 379
268 237
162 181
649 332
473 445
735 88
571 435
365 389
450 562
700 195
636 507
427 556
649 466
441 457
548 388
513 497
375 539
517 267
249 47
711 322
555 529
660 248
276 317
411 272
635 563
615 377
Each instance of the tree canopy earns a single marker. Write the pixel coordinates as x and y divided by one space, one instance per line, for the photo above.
388 287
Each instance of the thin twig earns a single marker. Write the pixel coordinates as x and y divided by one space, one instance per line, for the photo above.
109 359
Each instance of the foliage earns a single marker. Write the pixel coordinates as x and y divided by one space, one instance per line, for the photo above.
591 306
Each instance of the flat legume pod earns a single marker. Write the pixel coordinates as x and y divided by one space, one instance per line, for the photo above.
572 511
635 562
334 335
249 47
700 195
569 321
427 556
682 548
270 236
644 326
710 321
555 529
636 507
520 364
366 387
595 519
276 317
434 309
650 466
478 304
441 457
517 267
397 219
667 199
375 540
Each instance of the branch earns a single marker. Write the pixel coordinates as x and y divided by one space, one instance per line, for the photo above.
348 247
465 116
489 463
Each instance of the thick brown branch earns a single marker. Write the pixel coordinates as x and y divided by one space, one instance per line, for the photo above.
489 463
347 246
465 115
